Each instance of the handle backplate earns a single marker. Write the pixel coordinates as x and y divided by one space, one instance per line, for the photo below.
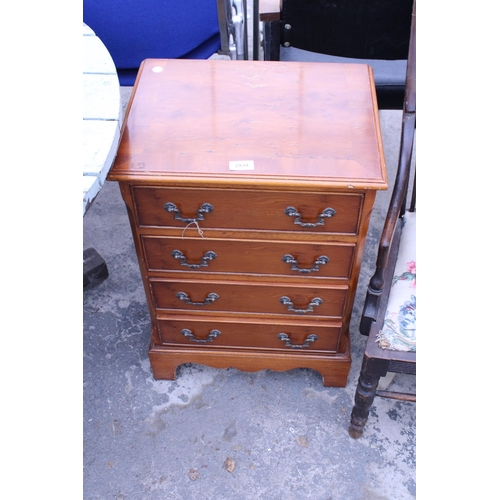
286 301
211 297
321 260
177 254
293 212
210 338
205 208
288 343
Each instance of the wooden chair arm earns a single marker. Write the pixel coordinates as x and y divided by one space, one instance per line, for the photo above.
399 194
395 210
397 205
398 200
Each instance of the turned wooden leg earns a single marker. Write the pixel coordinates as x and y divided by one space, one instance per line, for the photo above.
365 394
363 400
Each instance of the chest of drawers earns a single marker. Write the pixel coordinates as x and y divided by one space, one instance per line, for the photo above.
249 187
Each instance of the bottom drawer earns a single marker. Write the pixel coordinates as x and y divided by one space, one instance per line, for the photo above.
296 337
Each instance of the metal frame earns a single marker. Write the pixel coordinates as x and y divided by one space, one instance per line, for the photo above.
233 28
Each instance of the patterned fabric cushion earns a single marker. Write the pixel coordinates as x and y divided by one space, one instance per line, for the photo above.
399 332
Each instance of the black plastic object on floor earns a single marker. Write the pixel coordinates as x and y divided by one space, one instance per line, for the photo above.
95 270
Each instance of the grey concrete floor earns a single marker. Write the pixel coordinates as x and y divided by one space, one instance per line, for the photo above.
285 434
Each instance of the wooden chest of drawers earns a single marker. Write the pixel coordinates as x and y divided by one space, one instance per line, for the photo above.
249 187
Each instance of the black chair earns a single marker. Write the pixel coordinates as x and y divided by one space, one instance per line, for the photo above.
389 314
376 32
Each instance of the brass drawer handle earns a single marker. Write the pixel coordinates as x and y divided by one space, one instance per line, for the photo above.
211 297
309 340
291 306
293 212
177 254
323 259
211 336
205 208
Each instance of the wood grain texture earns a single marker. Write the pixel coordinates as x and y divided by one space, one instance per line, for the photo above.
310 122
307 137
261 335
334 368
244 297
249 257
250 209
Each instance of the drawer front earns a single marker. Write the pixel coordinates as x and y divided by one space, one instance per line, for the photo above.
251 298
293 338
242 209
204 255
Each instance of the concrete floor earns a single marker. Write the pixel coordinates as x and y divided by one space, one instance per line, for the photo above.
284 433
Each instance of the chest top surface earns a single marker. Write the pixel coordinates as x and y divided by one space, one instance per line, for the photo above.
252 122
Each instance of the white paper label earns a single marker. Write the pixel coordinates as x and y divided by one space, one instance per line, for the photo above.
241 165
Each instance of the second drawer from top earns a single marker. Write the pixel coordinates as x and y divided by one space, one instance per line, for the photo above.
286 258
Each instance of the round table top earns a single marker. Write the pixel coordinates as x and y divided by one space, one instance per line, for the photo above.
102 114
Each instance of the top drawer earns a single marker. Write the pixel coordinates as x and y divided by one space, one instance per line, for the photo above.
245 209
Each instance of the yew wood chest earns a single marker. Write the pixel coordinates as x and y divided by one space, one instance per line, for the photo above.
249 187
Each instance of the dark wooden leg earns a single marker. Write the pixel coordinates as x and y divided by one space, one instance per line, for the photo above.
272 40
363 400
371 371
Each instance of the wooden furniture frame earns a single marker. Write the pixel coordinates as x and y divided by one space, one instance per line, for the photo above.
249 187
377 362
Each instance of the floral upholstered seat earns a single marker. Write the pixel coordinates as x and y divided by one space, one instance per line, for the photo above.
399 331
